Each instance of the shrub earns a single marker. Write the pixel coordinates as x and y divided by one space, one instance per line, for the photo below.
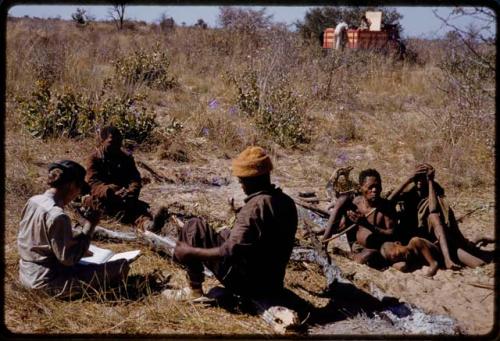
47 114
248 92
133 121
282 118
150 69
278 112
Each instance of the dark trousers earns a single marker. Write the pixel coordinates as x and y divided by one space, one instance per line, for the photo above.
197 233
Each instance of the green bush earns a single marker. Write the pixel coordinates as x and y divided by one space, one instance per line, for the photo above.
248 93
134 122
150 69
47 113
282 118
278 113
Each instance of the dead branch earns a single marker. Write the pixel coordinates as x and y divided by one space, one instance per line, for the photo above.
323 213
158 177
115 235
481 285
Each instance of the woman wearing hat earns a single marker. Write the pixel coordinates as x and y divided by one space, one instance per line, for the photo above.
50 247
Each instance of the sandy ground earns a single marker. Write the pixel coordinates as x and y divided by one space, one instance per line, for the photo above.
203 188
455 293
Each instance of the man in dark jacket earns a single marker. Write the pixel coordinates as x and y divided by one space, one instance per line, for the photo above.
115 184
251 258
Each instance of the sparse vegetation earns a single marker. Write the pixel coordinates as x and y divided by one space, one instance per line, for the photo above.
149 68
48 114
197 95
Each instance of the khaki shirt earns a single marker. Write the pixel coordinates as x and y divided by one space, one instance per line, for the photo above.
47 242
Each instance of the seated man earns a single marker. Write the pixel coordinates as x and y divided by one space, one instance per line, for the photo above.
251 258
427 214
373 216
115 184
409 257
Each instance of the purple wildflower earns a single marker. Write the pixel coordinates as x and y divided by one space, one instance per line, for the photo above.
213 104
343 139
205 131
342 158
232 110
315 89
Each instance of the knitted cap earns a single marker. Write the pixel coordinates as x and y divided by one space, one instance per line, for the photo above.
251 162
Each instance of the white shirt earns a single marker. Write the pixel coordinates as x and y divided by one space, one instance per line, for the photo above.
46 241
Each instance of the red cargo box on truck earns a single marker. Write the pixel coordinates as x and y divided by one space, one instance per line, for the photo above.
328 38
364 39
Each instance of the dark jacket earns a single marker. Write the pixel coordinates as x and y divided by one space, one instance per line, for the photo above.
261 241
105 174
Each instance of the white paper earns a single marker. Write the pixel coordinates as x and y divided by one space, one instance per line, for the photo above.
128 255
101 256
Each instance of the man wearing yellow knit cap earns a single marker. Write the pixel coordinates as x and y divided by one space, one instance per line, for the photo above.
249 259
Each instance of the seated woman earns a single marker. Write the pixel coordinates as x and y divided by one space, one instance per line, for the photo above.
50 247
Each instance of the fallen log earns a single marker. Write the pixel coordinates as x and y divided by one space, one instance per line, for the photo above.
163 243
157 242
283 319
102 232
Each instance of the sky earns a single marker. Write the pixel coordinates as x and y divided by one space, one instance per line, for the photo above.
417 21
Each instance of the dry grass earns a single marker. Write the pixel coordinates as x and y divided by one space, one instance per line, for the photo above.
364 110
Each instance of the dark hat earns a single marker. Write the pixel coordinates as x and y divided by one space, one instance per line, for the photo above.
72 171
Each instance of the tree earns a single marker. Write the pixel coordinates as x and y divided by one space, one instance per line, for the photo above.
201 24
117 13
317 19
80 17
244 20
167 23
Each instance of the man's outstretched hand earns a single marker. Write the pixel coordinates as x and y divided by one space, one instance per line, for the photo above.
182 252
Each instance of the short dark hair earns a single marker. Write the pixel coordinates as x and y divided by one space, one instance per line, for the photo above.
368 172
64 171
108 130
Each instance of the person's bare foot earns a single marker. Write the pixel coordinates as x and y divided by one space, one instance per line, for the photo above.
451 265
